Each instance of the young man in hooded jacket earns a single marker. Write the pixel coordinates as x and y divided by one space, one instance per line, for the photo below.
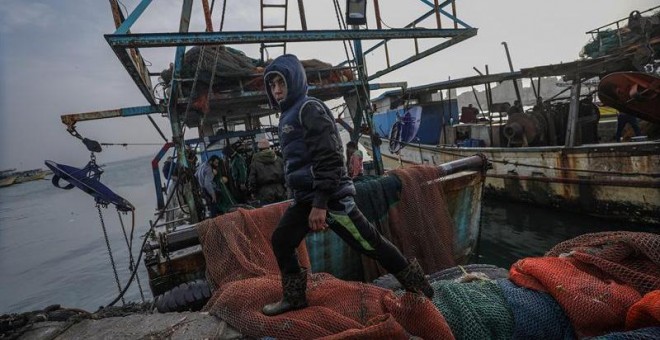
323 192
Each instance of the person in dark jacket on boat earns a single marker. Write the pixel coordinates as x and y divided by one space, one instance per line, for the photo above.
622 119
322 190
237 171
266 179
205 174
354 160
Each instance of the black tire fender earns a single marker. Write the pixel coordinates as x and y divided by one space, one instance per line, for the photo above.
188 296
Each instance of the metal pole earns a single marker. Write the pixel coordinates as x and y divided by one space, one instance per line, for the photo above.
515 82
379 25
571 127
303 20
443 125
489 97
436 8
474 92
366 112
175 119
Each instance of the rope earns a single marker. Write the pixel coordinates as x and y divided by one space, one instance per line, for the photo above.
144 241
153 122
112 259
222 18
130 249
192 89
351 58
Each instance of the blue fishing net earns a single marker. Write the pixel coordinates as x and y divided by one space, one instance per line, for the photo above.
474 310
375 195
649 333
537 315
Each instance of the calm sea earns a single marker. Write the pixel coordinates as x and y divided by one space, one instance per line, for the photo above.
52 249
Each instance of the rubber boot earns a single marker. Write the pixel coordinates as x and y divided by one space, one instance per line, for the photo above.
413 279
293 287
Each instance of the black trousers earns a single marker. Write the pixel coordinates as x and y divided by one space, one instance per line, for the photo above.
345 219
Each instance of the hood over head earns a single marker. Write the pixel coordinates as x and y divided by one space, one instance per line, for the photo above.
266 156
291 70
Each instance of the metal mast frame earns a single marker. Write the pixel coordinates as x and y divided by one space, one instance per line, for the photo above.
126 45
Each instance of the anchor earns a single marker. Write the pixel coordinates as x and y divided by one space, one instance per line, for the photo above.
87 179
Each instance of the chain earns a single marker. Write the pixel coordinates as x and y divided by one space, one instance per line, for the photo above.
131 262
112 260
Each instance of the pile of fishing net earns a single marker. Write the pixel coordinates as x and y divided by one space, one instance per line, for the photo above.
228 69
640 36
593 285
243 270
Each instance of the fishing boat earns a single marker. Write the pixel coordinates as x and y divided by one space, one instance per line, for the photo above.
218 90
555 153
30 175
7 181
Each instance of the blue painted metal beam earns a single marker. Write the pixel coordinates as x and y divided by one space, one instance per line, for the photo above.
413 23
126 25
160 196
254 37
70 119
450 16
468 34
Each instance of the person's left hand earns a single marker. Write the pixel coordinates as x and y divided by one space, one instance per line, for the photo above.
317 219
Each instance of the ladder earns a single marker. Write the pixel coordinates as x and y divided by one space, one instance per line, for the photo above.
269 9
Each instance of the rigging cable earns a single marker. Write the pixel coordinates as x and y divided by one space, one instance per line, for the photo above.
112 259
129 244
157 128
127 144
146 237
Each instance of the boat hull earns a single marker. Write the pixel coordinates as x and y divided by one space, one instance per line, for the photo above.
176 256
7 181
617 180
463 190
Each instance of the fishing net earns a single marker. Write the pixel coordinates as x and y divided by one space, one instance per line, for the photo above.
537 315
477 269
645 312
229 69
241 265
462 273
596 278
474 310
420 225
632 258
639 30
649 333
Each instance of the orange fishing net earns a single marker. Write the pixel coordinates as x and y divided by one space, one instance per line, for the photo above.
421 225
242 267
645 312
596 278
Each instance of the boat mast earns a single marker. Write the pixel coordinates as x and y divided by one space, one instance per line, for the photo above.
126 45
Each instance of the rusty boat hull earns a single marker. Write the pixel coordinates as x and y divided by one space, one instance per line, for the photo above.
613 180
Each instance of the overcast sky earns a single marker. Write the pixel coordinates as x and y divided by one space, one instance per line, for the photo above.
54 59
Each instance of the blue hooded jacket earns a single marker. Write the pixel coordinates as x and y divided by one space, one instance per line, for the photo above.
311 146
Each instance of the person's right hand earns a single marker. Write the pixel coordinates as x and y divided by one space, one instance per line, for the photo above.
317 219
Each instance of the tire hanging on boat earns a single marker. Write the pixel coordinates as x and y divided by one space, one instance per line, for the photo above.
188 296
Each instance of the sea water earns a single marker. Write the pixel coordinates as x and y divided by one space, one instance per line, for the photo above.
52 248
